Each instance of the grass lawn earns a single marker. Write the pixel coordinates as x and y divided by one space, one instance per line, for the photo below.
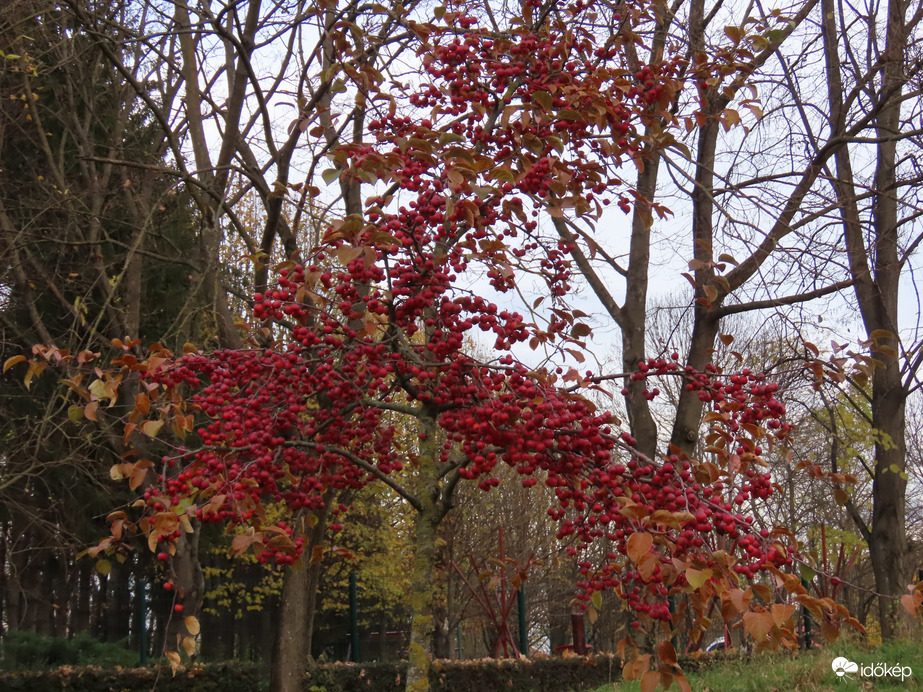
807 672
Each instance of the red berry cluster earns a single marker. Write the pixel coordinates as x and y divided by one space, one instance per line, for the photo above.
698 503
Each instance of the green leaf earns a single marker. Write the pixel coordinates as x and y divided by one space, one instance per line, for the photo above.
330 175
597 600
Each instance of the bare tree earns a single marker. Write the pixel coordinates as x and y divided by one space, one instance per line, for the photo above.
776 214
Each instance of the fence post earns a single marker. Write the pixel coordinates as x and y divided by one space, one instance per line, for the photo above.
523 631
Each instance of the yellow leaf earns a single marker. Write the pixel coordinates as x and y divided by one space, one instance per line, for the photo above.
13 360
175 662
151 427
192 625
696 578
592 615
103 567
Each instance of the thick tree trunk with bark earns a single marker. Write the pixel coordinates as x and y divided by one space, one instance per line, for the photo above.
420 651
290 660
294 633
875 264
432 501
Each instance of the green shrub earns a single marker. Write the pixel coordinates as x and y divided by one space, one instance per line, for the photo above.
219 677
31 651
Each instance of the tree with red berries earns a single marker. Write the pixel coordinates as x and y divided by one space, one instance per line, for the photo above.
448 180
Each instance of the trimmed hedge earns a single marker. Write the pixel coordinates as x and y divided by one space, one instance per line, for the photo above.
540 674
481 675
217 677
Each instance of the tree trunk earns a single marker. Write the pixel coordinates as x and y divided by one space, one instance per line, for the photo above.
80 618
119 611
190 582
44 621
420 651
290 659
432 509
294 635
13 596
875 267
888 548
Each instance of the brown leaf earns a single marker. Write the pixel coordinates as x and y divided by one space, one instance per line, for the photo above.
240 543
666 653
649 681
763 592
830 631
581 330
647 565
639 545
758 625
782 612
740 599
142 404
665 518
138 473
635 669
165 523
911 603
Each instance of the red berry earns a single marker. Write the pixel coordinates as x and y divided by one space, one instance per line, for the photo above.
178 607
163 557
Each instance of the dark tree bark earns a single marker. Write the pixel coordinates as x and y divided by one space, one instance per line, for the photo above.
876 260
